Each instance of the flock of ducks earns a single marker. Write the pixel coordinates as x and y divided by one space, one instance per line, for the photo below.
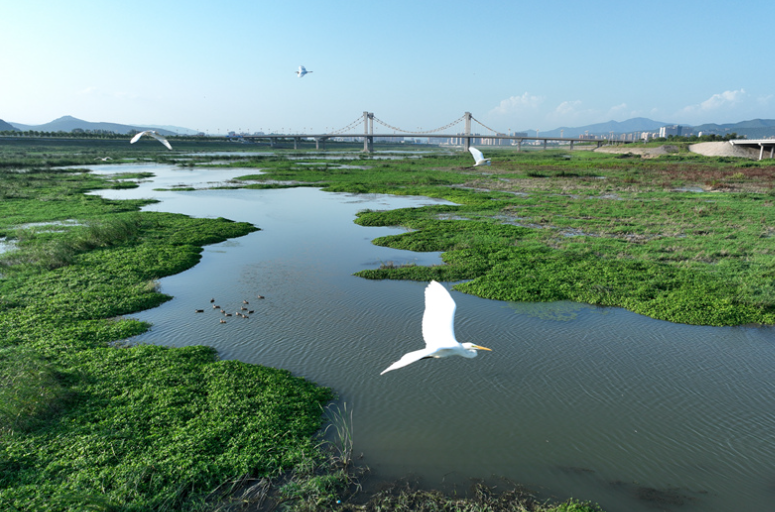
243 312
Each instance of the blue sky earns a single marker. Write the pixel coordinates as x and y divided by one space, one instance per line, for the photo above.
417 65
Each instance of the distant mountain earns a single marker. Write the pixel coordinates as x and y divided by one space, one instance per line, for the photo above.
177 129
753 129
637 124
69 123
5 127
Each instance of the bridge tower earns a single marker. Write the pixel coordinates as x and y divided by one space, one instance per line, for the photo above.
368 132
467 138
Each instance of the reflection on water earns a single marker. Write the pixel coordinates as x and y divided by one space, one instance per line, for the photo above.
598 403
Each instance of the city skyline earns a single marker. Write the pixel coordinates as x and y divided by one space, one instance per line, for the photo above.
418 66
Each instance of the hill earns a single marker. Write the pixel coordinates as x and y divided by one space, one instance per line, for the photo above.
70 123
637 124
5 127
177 129
752 129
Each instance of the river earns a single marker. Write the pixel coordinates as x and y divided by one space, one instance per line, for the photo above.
600 404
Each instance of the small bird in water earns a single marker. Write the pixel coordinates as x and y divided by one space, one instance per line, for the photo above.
223 321
245 302
153 134
438 330
212 300
260 296
199 311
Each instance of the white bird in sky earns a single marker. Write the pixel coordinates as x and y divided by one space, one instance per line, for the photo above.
438 330
153 134
302 71
478 157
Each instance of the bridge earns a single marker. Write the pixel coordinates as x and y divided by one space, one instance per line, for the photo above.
465 138
759 144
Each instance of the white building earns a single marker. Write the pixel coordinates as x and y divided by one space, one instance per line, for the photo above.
666 131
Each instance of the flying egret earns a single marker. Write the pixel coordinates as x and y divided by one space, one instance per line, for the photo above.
478 156
438 330
153 134
302 71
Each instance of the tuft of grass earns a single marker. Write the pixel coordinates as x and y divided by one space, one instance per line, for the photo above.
31 391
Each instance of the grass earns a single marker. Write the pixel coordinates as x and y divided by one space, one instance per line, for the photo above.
580 226
86 424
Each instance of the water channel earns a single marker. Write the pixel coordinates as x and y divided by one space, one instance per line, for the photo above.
596 403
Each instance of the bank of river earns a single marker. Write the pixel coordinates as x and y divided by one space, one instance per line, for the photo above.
595 403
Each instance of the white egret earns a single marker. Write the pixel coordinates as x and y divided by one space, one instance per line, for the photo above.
478 157
153 134
302 71
438 330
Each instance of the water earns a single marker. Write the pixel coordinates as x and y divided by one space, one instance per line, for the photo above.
597 403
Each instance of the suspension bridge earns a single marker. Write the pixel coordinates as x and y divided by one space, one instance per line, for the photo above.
465 138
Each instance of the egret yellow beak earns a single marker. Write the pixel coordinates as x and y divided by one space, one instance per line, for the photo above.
482 348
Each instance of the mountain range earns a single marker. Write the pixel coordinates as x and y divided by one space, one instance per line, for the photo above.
5 127
70 123
753 129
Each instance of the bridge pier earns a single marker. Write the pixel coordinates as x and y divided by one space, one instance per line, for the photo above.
761 151
368 132
467 138
320 142
571 145
519 144
545 140
296 141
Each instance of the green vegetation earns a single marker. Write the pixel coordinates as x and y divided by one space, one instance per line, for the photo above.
86 425
89 424
614 230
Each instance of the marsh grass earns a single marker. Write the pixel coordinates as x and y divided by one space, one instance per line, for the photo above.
31 391
582 226
60 251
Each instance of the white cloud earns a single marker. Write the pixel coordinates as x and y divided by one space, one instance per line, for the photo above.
567 108
717 102
518 104
620 111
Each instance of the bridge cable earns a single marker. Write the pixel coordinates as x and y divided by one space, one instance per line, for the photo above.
358 121
496 132
453 123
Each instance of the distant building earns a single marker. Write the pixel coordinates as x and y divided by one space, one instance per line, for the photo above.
667 131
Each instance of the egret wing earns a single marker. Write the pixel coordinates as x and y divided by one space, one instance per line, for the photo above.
408 359
137 137
478 156
438 321
160 139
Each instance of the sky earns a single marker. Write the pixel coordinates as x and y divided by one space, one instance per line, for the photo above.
417 65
